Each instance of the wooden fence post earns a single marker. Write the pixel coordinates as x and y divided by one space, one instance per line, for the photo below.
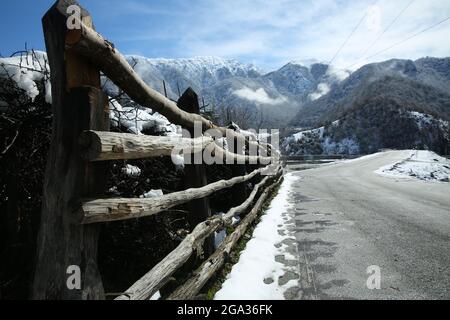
78 105
239 191
195 174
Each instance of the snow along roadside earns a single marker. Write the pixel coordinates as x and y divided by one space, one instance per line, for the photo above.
420 164
246 280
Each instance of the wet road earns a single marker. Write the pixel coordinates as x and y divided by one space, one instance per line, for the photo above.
348 218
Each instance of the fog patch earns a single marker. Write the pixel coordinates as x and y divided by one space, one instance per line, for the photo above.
322 89
259 96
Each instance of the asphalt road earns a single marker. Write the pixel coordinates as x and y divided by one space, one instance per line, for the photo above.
349 218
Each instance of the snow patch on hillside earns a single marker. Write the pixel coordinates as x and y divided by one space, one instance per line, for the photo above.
421 118
422 165
257 262
344 146
317 141
307 134
424 121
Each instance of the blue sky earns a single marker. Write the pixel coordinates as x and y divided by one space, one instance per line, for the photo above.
266 33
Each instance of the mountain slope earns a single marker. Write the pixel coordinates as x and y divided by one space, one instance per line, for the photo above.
394 104
434 72
375 125
423 85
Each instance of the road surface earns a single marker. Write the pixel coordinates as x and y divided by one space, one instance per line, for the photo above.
349 218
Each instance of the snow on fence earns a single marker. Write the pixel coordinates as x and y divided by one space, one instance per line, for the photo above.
76 172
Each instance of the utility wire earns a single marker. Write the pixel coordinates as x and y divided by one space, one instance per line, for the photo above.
387 28
402 41
351 35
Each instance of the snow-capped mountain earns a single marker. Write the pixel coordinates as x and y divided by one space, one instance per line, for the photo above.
292 79
198 73
306 80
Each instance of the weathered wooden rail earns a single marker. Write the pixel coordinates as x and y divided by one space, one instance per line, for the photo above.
76 172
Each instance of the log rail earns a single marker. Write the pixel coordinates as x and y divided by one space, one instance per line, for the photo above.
149 284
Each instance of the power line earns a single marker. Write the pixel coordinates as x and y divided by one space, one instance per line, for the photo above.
387 28
402 41
351 34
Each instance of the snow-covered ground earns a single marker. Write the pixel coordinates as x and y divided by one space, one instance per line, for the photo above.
27 70
423 165
138 119
255 276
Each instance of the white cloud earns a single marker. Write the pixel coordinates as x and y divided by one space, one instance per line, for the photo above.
338 74
259 96
373 18
272 33
322 89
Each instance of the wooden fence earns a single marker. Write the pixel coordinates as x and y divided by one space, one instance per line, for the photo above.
73 204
